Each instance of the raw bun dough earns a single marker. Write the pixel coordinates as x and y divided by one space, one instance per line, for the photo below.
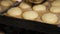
55 9
5 3
39 8
51 0
30 15
0 8
25 6
56 3
10 2
14 12
50 18
35 1
46 3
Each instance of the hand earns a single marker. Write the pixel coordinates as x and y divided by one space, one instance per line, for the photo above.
19 0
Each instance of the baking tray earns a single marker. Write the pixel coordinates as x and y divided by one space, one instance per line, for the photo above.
29 25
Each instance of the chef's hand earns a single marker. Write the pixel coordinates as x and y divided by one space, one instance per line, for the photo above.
17 0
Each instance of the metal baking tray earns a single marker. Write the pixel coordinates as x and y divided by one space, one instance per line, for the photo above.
29 25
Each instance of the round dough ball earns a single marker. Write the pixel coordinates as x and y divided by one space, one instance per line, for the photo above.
0 8
56 3
57 0
46 3
35 1
5 3
39 8
10 2
50 18
55 9
14 12
51 0
24 6
39 19
30 15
